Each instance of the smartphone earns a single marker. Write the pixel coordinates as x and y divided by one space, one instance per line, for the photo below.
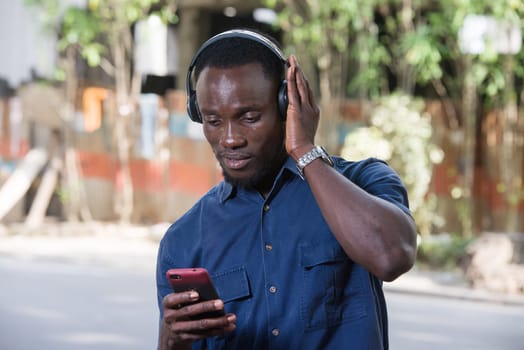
196 278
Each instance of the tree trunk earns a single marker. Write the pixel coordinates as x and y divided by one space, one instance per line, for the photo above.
406 74
76 201
126 110
327 128
469 104
511 149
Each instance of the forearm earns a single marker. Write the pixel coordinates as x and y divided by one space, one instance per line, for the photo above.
372 231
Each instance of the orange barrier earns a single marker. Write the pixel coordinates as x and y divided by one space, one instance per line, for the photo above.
191 178
92 106
6 151
150 176
98 165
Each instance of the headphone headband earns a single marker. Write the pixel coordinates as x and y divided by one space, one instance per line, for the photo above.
192 105
239 33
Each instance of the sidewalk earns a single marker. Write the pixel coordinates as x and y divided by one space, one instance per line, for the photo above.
137 246
448 285
95 243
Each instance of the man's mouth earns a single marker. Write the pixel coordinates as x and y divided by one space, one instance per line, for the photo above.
235 161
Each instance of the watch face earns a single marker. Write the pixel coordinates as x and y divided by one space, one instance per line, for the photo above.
316 152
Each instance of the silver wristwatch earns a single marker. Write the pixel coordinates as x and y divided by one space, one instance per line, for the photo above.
316 152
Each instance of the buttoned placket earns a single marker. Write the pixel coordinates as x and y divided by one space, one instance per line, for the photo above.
268 248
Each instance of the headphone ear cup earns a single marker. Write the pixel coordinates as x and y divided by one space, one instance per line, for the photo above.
192 107
282 99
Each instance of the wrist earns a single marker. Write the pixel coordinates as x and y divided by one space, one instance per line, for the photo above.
299 152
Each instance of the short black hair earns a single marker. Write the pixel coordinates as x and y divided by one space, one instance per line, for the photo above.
236 51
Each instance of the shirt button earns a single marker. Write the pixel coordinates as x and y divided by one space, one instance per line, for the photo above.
266 207
273 289
275 332
269 247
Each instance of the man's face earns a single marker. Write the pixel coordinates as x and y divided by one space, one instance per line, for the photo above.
242 123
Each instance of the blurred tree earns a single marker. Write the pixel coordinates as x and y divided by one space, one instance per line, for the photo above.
372 48
409 150
102 34
487 80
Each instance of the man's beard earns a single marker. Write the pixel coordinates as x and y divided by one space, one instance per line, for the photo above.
262 177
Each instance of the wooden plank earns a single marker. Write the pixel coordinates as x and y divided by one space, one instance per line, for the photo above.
43 195
20 180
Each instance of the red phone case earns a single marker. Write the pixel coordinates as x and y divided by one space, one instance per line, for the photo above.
184 279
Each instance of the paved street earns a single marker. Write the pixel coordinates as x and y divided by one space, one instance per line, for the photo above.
433 323
62 305
85 293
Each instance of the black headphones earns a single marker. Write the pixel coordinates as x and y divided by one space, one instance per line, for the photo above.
192 105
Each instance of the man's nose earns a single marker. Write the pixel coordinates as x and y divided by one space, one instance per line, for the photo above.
232 136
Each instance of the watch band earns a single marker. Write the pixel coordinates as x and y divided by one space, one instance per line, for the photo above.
316 152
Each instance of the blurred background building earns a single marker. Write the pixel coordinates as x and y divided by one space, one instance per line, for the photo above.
61 152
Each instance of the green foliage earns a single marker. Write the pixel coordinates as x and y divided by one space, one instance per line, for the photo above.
80 28
89 29
443 251
413 46
422 53
380 36
310 23
372 57
488 67
513 196
51 10
400 133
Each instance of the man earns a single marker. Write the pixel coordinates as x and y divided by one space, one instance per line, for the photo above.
297 242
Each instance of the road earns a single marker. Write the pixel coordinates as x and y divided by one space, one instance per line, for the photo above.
433 323
62 304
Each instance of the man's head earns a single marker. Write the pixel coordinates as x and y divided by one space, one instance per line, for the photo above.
237 85
233 48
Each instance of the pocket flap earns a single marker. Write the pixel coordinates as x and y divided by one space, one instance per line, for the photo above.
232 284
311 255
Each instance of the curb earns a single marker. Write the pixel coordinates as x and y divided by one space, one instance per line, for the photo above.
126 250
420 285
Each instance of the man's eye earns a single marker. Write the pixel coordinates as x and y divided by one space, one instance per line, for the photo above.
251 118
211 121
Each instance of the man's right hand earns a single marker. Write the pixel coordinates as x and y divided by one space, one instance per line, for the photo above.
178 330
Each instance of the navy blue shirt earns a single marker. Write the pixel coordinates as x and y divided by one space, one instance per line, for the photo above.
278 267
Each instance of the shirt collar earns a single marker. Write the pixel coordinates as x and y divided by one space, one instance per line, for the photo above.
291 166
228 191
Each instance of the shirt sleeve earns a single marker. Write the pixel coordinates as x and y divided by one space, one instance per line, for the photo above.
164 263
377 178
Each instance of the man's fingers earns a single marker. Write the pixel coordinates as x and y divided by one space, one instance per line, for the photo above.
303 87
204 307
184 306
293 97
197 329
301 92
174 300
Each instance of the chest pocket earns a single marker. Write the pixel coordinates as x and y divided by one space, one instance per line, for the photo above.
232 284
333 289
